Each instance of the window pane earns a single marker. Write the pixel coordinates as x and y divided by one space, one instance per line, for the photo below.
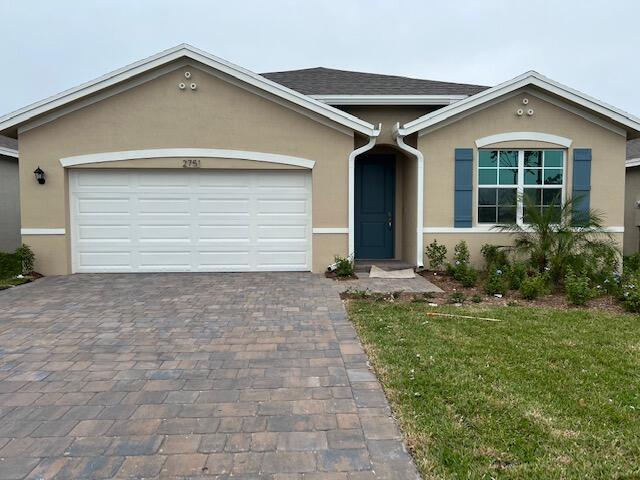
507 196
552 176
506 214
487 196
509 159
552 195
488 158
532 159
533 196
533 176
527 213
555 214
508 176
553 158
487 215
487 176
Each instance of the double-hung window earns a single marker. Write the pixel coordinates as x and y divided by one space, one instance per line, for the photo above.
507 177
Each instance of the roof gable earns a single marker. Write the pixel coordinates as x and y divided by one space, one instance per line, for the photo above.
531 78
30 112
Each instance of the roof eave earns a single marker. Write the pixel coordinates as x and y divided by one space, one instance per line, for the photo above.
438 100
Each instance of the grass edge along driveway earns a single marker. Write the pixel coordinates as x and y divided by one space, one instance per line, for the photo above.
545 393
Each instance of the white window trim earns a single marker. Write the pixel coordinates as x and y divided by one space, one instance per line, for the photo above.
524 136
186 152
520 187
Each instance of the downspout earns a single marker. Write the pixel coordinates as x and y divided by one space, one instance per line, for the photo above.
352 178
398 135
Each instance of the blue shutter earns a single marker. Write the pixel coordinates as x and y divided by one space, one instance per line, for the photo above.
463 201
581 184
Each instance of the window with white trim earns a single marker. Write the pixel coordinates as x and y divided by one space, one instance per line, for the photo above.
505 177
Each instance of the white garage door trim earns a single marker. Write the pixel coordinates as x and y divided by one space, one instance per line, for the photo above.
153 220
184 153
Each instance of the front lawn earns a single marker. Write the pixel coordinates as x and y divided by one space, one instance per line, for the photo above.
544 393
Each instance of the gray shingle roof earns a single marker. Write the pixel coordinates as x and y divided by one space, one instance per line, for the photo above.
633 148
327 81
8 142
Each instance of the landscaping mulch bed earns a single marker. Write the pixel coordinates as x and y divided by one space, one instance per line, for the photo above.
6 283
553 300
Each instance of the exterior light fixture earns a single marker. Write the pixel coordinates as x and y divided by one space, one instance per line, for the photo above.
39 173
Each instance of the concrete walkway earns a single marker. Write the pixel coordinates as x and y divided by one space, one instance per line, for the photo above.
189 375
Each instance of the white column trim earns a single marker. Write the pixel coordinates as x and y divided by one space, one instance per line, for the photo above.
331 230
186 152
352 185
524 136
42 231
419 193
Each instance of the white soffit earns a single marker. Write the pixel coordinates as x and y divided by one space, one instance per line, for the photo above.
181 51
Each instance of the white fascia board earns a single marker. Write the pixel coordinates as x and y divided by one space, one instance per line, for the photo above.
183 153
632 162
389 99
9 152
24 114
529 78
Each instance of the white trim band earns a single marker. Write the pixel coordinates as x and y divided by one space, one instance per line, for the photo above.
523 136
389 99
42 231
632 162
490 229
9 152
186 152
331 230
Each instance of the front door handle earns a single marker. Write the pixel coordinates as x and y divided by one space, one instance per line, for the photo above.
389 220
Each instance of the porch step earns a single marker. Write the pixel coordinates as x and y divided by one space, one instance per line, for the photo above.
388 265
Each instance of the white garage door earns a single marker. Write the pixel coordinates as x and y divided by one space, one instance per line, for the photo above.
190 221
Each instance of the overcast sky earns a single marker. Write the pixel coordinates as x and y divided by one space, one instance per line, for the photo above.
593 46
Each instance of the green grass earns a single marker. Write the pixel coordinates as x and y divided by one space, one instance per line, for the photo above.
12 282
542 394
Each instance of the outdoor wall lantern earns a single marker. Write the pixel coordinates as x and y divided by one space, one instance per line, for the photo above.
39 173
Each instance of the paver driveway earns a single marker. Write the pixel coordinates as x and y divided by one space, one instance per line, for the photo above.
189 375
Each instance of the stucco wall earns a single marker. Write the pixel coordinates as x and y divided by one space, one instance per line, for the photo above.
157 114
631 211
607 168
9 204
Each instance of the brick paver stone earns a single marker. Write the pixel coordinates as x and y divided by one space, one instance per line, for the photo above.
189 376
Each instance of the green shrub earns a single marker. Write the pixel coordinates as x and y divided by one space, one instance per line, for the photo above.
10 265
437 254
344 266
517 273
26 257
630 295
494 256
578 288
466 275
476 298
532 287
456 297
631 264
460 268
496 282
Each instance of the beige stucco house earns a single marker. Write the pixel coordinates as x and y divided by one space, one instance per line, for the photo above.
632 199
186 162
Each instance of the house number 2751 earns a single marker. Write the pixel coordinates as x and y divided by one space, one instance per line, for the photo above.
191 163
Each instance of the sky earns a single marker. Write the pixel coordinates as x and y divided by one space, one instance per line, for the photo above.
592 46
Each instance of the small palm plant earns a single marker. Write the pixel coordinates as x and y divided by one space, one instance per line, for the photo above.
559 238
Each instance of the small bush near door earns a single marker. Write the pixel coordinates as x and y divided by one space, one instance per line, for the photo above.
20 262
344 266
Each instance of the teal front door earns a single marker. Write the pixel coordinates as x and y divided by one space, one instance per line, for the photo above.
375 180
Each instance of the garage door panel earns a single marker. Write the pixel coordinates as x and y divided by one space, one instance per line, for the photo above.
190 221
